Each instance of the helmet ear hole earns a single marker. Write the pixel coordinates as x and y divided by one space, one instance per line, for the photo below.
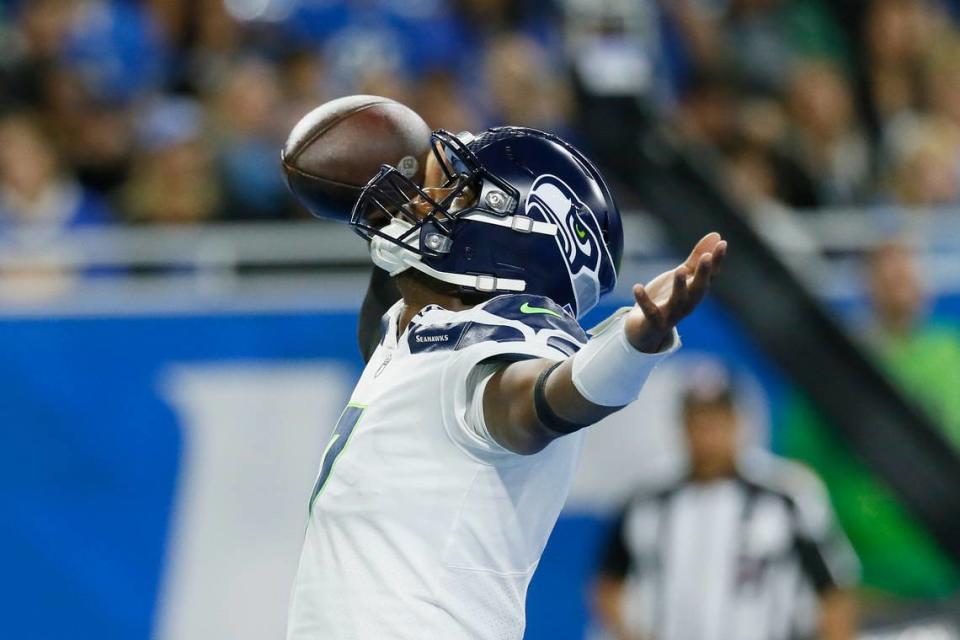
434 240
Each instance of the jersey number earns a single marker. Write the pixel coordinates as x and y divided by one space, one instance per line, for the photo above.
338 442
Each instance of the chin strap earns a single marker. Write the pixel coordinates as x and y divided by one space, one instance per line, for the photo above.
396 257
480 282
523 224
390 256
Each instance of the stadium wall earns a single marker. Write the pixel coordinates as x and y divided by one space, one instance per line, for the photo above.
156 467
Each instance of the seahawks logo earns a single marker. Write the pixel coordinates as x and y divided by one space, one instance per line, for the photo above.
552 200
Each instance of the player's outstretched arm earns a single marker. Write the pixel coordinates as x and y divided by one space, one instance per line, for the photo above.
527 404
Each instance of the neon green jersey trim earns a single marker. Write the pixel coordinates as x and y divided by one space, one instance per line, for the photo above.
333 465
526 308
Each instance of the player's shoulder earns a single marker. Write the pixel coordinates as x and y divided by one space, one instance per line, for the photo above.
535 312
503 319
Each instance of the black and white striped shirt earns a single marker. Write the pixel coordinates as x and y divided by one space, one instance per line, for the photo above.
741 558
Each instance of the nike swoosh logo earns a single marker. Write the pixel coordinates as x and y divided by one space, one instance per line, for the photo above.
526 308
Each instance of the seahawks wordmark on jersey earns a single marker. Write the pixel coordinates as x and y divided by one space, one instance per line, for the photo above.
421 526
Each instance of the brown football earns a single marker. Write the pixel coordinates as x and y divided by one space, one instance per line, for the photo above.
335 149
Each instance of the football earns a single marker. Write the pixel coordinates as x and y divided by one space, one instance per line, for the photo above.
335 149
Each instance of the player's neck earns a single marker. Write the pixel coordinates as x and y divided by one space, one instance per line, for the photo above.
706 474
417 295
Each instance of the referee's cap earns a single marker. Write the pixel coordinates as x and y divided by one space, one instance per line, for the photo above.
707 383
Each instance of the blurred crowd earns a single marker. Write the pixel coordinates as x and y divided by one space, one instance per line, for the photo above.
174 112
169 111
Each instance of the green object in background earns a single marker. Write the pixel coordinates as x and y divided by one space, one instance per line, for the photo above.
927 365
814 34
898 556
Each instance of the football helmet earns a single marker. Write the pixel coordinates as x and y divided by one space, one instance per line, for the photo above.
521 211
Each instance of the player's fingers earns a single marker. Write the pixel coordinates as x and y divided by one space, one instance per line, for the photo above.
719 254
648 306
706 244
642 297
678 295
680 277
701 280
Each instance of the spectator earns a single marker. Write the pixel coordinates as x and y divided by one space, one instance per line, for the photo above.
115 47
248 134
39 201
827 138
524 88
491 16
441 104
707 117
926 163
35 191
213 38
173 178
39 30
736 549
900 559
942 78
759 38
302 81
625 49
754 174
762 124
922 355
94 136
767 36
89 70
896 33
482 20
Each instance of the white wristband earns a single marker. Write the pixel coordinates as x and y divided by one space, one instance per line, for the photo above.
608 370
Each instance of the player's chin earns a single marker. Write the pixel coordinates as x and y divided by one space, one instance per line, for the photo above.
377 219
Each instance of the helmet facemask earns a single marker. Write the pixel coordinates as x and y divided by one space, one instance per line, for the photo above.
526 211
407 223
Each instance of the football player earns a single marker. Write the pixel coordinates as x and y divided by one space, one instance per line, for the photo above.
448 468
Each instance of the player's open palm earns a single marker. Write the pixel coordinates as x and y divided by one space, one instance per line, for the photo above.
673 294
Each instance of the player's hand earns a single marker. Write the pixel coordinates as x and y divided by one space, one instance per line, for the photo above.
673 295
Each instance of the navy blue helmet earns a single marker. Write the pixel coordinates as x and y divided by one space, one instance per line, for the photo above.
521 210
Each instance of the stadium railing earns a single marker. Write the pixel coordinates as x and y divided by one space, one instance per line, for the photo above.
135 265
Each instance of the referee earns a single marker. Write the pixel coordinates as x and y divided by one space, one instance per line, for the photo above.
743 547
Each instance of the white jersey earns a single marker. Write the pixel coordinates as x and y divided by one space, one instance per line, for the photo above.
421 525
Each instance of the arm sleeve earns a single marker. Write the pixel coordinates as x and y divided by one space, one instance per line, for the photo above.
505 329
475 435
462 386
466 374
